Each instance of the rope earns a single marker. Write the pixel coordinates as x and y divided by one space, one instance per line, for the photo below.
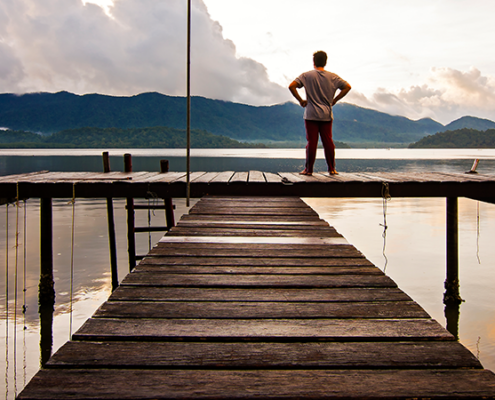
16 270
7 264
24 289
149 224
154 196
478 232
24 302
385 199
7 368
73 202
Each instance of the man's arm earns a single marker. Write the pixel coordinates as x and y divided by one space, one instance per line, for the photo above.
293 89
342 93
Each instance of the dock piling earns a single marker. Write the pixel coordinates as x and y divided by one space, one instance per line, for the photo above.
131 240
111 229
46 294
452 294
169 207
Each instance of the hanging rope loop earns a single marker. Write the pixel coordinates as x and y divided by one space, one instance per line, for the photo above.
73 202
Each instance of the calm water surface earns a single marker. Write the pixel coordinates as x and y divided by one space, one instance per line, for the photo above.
412 252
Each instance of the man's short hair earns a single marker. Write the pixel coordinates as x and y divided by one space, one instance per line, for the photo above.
320 59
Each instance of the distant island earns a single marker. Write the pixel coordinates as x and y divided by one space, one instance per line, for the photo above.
458 139
137 138
154 137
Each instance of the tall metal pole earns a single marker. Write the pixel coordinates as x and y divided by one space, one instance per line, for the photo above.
188 154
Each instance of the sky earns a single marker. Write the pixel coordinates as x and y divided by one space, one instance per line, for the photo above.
416 58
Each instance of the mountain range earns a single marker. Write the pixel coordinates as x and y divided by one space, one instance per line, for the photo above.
48 113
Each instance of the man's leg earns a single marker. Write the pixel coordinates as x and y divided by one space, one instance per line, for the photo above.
328 145
311 146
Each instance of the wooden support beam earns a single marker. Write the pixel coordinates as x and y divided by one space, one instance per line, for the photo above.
169 207
112 242
131 239
452 294
46 297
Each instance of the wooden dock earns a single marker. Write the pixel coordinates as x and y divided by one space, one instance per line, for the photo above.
142 184
259 299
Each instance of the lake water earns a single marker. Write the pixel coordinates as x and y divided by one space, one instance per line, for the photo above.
412 252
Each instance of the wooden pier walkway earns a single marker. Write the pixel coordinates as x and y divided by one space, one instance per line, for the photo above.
248 183
259 298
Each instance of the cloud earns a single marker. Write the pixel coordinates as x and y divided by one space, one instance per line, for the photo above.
448 95
137 46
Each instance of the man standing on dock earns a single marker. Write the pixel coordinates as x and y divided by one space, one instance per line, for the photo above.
320 86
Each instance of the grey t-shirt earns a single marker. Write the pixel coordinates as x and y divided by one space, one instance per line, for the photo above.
320 89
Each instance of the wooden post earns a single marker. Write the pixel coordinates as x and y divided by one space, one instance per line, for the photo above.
188 88
131 239
46 297
111 229
169 206
452 294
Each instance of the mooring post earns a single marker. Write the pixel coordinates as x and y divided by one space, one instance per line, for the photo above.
169 206
131 239
111 229
46 297
452 294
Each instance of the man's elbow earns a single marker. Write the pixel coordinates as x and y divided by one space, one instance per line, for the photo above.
294 85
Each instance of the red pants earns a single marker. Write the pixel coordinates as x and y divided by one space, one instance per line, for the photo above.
324 128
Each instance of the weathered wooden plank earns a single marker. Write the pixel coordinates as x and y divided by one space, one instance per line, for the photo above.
260 310
309 270
245 231
206 178
246 261
151 293
256 218
229 280
254 203
291 178
239 177
361 355
243 199
262 355
323 177
22 177
314 249
192 177
96 329
272 178
274 384
239 238
222 177
253 211
332 251
169 177
256 176
336 260
298 178
345 177
250 225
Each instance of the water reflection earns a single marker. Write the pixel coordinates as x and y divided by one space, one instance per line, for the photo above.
46 332
452 315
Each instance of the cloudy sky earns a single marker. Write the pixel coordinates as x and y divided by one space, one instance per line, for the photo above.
417 58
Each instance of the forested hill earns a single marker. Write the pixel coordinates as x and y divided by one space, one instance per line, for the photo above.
480 124
155 137
461 138
53 112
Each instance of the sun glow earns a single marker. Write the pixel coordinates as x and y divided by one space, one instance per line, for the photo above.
105 4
